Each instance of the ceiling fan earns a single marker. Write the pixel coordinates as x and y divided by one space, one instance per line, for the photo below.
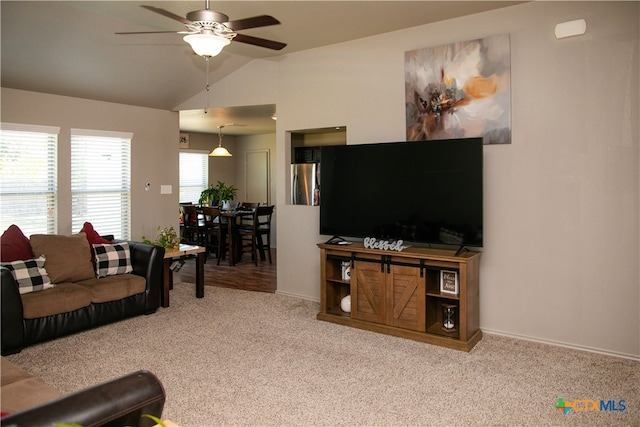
208 32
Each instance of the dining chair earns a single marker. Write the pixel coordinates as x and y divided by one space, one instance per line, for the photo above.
246 221
215 231
251 236
193 226
248 206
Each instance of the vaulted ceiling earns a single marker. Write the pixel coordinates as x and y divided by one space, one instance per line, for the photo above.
69 47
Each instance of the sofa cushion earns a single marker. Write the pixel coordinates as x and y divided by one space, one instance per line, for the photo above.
30 275
63 298
68 257
20 390
112 259
113 288
11 373
15 245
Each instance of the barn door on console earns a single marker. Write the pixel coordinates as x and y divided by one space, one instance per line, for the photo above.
368 291
406 296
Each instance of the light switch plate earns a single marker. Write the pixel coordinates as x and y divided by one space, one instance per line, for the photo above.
166 189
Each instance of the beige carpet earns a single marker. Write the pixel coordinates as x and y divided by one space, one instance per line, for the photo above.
248 358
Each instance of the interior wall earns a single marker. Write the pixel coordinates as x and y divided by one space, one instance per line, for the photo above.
254 84
154 151
220 168
560 261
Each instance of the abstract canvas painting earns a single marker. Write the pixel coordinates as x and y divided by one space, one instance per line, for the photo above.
460 90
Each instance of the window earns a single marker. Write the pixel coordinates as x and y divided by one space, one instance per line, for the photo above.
28 177
194 175
101 181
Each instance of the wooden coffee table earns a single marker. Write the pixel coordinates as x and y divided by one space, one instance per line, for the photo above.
167 274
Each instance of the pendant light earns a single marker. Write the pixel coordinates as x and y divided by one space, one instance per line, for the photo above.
220 151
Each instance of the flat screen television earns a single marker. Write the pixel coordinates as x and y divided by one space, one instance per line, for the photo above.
426 192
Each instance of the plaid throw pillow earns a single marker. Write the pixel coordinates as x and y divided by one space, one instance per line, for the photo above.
30 275
112 259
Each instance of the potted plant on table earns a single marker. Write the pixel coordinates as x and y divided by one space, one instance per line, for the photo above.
209 196
226 193
220 193
167 238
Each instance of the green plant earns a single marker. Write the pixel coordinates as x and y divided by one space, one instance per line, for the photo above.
167 238
217 193
208 196
226 192
157 420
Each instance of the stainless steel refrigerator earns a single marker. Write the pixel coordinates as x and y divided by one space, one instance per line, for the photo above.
305 184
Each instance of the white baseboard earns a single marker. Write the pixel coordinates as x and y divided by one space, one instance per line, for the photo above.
509 335
561 344
294 295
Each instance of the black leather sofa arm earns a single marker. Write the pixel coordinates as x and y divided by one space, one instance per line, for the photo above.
116 403
12 314
147 261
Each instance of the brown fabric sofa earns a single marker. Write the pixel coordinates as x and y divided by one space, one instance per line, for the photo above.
29 401
79 300
20 390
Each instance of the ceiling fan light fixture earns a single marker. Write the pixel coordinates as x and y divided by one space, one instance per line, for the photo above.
206 44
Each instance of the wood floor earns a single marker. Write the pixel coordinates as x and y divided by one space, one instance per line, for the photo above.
244 275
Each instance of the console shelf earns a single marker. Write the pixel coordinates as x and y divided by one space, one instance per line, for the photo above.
398 293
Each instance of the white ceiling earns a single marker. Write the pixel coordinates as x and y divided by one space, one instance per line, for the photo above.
69 47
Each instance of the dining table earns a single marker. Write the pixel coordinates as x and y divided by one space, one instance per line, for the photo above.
230 217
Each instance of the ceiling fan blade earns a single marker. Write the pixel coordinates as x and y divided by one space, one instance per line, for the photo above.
256 41
254 22
150 32
168 14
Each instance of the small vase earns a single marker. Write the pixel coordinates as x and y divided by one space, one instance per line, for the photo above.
345 304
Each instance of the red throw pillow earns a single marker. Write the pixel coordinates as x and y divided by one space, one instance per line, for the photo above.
92 235
94 239
15 245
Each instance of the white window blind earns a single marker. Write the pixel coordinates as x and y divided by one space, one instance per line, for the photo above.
28 177
194 175
101 181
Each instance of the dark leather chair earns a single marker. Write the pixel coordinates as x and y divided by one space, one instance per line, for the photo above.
215 231
120 402
251 235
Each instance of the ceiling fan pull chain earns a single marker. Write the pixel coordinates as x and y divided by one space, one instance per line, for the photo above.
207 87
206 58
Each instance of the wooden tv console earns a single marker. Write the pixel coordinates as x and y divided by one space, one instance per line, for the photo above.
399 293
